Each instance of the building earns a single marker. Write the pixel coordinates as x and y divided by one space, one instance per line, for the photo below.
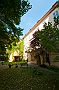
48 17
16 53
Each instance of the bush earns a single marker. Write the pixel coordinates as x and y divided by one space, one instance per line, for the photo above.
56 59
3 57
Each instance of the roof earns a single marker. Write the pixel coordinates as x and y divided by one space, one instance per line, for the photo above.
39 21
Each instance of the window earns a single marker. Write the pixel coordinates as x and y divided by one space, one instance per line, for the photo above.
56 14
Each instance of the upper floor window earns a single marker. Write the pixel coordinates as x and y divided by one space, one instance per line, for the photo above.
56 14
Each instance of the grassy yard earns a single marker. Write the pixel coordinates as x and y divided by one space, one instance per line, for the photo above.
29 78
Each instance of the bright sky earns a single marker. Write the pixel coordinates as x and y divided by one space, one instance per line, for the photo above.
39 8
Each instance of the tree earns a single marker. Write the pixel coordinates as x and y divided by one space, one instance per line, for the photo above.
19 49
47 39
11 12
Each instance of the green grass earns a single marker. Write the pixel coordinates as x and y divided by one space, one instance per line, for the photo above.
29 78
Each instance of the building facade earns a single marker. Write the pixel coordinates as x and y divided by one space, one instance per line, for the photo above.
48 17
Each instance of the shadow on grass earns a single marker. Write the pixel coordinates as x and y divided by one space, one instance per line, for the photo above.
52 68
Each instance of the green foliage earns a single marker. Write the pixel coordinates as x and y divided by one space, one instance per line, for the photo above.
56 59
3 57
47 38
11 12
19 48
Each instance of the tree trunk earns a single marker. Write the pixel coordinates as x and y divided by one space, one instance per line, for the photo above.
48 58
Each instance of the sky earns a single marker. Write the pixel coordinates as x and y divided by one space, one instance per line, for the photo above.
39 8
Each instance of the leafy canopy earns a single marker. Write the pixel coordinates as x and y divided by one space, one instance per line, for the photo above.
19 48
11 12
47 38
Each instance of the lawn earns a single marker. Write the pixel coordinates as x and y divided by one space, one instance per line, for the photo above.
29 78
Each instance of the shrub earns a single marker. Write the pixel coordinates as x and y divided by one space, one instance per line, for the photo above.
56 59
